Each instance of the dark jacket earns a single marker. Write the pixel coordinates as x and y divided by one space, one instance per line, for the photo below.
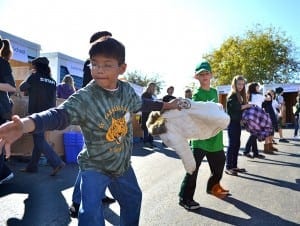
234 108
5 102
41 90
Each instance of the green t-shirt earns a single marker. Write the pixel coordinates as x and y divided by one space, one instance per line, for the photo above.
215 143
105 120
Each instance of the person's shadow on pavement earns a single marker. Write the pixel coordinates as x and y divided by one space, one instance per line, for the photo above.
256 215
46 203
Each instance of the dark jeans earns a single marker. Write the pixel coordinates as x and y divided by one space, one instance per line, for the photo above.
251 145
148 138
296 125
4 170
216 161
41 146
234 139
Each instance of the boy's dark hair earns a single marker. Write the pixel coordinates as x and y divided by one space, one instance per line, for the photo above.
109 48
98 35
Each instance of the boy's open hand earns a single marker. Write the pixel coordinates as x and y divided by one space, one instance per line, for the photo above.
9 133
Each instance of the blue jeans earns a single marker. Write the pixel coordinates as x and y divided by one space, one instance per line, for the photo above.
234 139
41 146
76 196
123 188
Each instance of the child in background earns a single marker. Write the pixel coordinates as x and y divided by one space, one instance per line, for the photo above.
256 98
236 103
66 87
211 148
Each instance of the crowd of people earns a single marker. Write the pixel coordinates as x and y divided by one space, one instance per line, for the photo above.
108 101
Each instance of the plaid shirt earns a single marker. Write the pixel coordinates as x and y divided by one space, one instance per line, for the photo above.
257 122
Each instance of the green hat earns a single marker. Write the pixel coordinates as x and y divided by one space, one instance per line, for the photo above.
202 66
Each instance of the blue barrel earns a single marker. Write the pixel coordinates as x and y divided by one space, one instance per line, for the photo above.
73 143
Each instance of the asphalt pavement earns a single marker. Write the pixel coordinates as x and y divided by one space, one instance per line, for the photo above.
267 194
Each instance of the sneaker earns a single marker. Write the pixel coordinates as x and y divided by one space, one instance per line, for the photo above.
247 155
239 170
259 156
73 210
282 140
7 178
189 204
149 145
231 172
108 200
57 169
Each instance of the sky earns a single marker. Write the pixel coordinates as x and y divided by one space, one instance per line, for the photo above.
162 37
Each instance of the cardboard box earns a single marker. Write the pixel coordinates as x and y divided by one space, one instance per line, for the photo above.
137 130
24 145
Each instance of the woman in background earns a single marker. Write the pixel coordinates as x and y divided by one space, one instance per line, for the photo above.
66 87
236 103
7 86
255 98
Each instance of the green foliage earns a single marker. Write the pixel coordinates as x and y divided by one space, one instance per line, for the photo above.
262 55
141 79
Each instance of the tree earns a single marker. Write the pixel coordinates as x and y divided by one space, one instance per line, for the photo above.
138 78
262 55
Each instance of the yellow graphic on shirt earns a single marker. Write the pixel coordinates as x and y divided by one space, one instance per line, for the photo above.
117 130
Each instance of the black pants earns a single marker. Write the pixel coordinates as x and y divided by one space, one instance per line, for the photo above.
4 170
251 145
216 161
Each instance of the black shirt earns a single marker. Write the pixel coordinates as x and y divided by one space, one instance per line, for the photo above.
167 98
41 91
87 77
5 77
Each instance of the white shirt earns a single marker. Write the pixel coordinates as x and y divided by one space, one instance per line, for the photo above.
257 99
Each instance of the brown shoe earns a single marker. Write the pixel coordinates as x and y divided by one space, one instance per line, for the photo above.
268 148
222 189
57 169
218 191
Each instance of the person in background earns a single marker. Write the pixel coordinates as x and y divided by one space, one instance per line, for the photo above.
211 148
236 103
267 105
149 95
188 94
255 98
66 88
296 114
276 109
169 96
41 88
102 109
281 113
7 86
87 77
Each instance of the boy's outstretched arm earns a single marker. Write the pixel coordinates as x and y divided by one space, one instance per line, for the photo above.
149 105
13 130
39 122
